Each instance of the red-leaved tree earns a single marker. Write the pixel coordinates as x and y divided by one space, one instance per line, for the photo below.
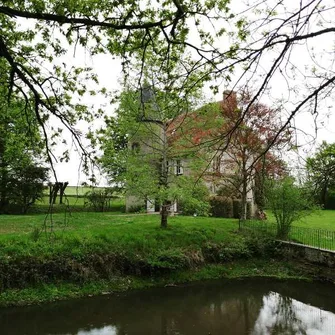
247 148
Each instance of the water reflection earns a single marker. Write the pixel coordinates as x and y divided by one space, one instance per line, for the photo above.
221 307
283 315
108 330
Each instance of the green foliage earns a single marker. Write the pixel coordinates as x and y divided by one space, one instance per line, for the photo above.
221 206
227 207
24 187
101 252
289 203
137 209
99 199
145 162
321 173
21 177
192 197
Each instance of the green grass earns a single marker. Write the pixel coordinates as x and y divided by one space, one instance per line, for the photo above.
316 229
83 233
233 270
98 246
74 190
321 219
74 203
90 253
182 231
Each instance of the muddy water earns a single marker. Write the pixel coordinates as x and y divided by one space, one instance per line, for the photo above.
216 307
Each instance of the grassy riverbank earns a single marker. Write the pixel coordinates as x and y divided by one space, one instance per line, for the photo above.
93 253
62 290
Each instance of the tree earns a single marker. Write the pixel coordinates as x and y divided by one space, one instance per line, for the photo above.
149 169
25 185
269 167
246 150
321 171
21 176
256 44
288 202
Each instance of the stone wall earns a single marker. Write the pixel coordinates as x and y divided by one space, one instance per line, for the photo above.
309 254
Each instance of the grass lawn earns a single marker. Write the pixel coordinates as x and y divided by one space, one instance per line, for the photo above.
317 229
76 203
107 232
98 252
182 230
321 219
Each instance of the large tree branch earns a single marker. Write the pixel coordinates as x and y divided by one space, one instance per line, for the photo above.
61 19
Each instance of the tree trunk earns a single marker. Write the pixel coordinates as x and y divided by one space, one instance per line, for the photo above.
53 192
324 194
164 180
3 178
164 215
61 191
243 214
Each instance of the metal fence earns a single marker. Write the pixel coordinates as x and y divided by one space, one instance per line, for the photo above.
318 238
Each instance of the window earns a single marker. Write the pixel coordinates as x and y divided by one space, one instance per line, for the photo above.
179 168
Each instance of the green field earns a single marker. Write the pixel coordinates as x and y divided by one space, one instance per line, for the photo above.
321 219
90 221
118 227
127 229
74 200
316 230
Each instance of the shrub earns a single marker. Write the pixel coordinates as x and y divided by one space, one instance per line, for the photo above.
21 188
192 199
137 209
99 199
288 203
221 207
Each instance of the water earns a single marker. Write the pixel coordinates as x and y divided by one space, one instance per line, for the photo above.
211 308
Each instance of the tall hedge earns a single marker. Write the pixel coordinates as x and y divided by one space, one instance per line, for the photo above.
221 207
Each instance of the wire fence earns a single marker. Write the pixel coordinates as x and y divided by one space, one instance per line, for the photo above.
318 238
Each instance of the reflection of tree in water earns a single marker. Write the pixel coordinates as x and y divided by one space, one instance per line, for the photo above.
284 315
287 321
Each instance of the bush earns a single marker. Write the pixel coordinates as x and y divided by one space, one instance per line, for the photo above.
193 199
137 209
100 199
21 188
289 203
221 207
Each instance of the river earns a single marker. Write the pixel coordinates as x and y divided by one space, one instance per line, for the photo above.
232 307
